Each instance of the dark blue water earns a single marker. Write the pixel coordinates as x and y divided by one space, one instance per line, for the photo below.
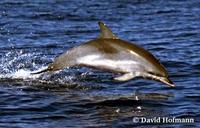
33 33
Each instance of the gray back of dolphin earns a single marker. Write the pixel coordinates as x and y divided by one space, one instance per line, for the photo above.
109 53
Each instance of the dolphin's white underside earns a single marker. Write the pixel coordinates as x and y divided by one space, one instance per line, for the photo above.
118 65
130 68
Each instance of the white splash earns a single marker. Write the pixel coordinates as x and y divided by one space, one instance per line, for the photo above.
23 74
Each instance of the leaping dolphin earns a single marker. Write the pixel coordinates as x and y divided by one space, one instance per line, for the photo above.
109 53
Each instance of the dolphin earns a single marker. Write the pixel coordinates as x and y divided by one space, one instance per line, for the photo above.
109 53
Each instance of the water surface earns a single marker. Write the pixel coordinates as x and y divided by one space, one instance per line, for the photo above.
33 33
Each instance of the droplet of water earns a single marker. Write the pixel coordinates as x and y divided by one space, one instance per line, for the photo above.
117 110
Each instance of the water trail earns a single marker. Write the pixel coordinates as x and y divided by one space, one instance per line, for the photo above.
22 74
19 65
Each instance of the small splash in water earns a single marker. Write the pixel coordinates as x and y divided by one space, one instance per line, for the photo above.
21 74
24 74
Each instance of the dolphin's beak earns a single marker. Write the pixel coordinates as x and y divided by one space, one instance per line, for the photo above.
162 79
167 81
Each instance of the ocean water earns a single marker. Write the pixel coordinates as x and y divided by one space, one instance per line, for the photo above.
33 33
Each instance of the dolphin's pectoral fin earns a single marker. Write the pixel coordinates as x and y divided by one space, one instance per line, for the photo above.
106 32
125 77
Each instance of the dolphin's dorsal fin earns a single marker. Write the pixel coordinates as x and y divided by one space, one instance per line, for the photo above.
105 31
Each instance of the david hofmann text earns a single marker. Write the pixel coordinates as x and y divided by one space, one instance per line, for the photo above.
162 120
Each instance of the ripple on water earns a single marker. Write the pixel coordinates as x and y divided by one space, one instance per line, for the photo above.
33 33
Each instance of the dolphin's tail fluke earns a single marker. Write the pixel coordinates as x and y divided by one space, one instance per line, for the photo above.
42 71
